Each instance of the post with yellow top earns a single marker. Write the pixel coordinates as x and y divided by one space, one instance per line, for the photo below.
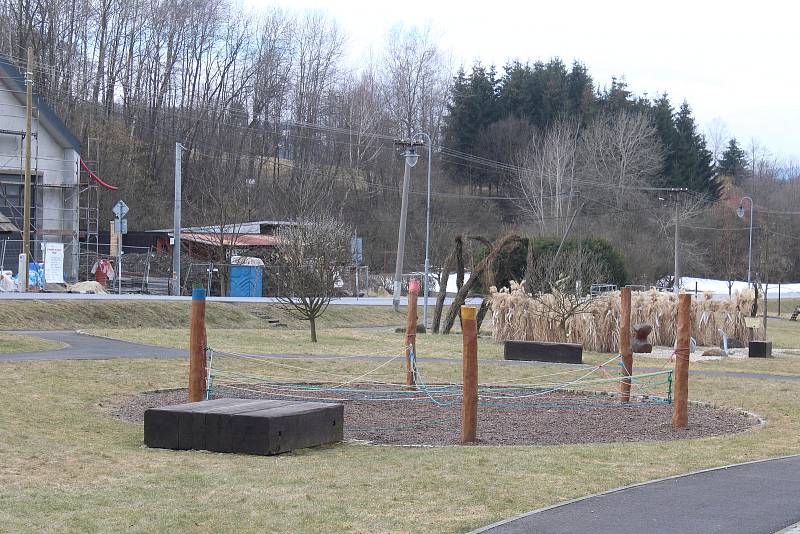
469 400
411 332
625 350
680 409
197 347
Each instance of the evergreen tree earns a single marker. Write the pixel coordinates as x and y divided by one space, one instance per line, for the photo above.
733 162
472 108
692 161
663 116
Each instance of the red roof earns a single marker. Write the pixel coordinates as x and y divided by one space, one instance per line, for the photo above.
238 240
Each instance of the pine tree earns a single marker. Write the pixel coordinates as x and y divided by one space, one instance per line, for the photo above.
733 162
692 163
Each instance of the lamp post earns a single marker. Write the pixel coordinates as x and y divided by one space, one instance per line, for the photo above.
740 213
411 158
427 237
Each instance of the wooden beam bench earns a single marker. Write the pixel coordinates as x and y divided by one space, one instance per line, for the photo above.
250 426
543 351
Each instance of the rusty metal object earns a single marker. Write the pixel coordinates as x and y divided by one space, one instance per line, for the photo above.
639 342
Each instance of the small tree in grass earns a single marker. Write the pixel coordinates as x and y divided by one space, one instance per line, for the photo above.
310 256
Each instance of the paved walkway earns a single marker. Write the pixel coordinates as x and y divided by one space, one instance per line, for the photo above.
86 347
752 498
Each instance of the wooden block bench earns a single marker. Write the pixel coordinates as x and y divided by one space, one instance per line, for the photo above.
759 349
543 351
249 426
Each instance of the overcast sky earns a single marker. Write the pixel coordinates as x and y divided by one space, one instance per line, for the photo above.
735 62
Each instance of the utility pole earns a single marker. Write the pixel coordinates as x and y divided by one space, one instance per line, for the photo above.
176 246
676 284
26 211
411 158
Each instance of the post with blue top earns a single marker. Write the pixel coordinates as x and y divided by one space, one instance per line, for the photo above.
197 346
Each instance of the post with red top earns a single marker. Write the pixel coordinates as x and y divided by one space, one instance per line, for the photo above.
625 350
469 400
680 409
411 332
197 347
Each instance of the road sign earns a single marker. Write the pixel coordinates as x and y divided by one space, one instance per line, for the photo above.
120 209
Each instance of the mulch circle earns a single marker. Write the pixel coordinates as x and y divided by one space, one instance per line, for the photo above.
561 418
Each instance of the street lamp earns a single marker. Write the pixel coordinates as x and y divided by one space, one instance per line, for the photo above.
411 158
427 236
740 213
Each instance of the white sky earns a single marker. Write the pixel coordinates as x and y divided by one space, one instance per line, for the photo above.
735 62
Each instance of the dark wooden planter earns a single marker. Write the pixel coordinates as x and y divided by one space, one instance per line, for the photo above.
543 351
759 349
248 426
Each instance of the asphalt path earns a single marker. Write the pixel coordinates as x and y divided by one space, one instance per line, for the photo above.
752 498
82 346
86 347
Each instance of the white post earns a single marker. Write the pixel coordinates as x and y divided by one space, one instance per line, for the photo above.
176 247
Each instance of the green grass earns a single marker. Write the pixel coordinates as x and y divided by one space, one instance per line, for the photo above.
18 343
71 314
69 466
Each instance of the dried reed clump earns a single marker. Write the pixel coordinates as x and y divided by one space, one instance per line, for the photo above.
518 316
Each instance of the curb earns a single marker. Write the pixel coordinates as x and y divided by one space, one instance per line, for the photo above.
631 486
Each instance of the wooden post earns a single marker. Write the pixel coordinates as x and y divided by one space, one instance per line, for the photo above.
197 347
469 401
625 344
410 341
680 413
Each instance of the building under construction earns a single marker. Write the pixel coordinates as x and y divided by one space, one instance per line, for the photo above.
64 196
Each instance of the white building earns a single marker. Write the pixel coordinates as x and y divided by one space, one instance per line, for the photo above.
55 157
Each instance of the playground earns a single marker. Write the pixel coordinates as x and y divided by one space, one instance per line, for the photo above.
73 435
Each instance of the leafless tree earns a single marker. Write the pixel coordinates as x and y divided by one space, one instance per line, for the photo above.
547 176
415 82
561 282
311 254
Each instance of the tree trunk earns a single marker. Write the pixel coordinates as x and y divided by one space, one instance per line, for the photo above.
482 313
443 280
461 297
313 323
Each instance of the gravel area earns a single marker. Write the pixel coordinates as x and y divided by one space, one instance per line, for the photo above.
558 419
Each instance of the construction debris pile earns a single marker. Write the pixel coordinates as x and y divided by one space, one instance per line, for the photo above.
521 317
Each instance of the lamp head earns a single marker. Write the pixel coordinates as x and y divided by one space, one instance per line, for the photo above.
740 211
411 157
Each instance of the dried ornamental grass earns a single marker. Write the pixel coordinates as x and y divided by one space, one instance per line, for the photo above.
518 316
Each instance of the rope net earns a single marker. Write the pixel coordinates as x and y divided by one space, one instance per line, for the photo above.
374 382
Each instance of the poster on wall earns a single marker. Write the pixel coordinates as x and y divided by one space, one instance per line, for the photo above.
54 263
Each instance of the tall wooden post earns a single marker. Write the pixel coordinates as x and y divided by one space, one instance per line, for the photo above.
469 402
625 344
680 409
197 347
410 339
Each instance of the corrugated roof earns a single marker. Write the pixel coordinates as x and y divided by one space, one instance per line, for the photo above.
237 240
6 226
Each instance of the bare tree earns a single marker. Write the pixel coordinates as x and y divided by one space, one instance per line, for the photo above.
311 254
560 281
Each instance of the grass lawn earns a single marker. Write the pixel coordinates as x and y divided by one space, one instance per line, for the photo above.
69 466
17 343
365 341
69 314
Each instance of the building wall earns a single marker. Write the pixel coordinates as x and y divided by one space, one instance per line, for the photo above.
55 169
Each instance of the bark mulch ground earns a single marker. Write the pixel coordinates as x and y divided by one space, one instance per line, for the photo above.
562 418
